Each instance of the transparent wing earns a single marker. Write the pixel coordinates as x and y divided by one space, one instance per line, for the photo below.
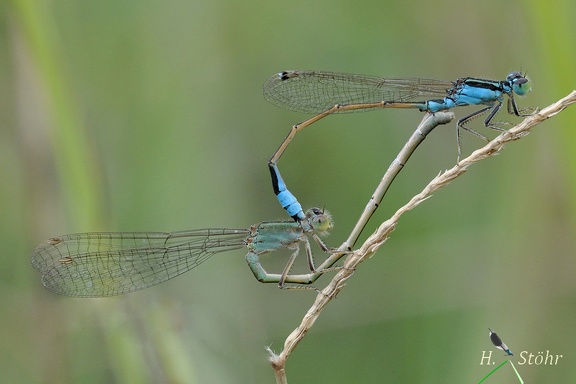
315 91
112 263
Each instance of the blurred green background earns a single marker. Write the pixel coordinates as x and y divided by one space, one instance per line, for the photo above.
148 115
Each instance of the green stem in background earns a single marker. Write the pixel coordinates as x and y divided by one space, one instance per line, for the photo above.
494 370
517 374
77 169
498 367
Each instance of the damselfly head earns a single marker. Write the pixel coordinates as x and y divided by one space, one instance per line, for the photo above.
320 220
519 82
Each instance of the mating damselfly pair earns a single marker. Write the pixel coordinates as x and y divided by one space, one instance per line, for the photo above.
111 263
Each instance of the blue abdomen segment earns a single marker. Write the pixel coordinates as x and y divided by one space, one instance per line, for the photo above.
287 200
434 106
